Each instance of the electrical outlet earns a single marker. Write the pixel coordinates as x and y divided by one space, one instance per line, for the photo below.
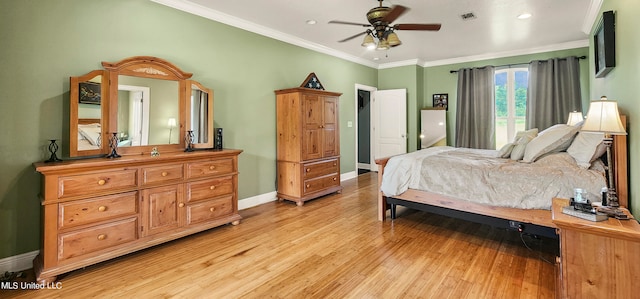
514 224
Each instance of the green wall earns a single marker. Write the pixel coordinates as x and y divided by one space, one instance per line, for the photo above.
45 42
622 82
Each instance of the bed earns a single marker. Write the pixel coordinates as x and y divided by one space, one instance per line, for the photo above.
440 200
89 133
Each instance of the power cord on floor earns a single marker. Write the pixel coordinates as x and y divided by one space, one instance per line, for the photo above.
525 245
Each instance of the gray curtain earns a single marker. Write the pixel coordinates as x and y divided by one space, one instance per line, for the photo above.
475 108
554 91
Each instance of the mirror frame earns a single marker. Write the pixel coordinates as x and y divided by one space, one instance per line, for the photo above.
137 66
74 95
190 83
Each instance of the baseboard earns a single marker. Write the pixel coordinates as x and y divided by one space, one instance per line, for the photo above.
257 200
25 261
18 262
366 166
348 176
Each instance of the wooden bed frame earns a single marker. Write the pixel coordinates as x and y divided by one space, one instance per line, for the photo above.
428 201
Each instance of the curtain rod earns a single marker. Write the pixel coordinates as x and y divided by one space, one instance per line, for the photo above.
512 64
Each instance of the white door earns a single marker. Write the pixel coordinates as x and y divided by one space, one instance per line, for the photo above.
389 124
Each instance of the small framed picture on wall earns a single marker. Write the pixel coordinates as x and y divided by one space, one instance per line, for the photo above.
441 100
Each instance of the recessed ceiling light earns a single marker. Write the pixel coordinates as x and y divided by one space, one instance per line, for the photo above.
523 16
311 22
376 58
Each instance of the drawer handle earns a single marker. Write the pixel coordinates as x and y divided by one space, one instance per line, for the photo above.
334 164
308 169
102 182
164 173
212 187
212 209
102 237
181 205
102 208
335 179
212 167
308 185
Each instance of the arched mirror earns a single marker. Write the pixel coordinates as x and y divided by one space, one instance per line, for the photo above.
147 102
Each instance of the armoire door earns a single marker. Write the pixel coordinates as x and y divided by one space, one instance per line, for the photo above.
312 106
330 145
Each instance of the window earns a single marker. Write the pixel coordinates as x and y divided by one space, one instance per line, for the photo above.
511 103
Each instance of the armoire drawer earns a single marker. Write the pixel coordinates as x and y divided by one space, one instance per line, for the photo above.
318 184
209 168
210 188
164 173
74 213
92 239
318 169
98 182
209 210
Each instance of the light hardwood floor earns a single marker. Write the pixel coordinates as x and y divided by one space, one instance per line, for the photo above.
332 247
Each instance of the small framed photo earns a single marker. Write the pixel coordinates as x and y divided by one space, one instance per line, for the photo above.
89 93
441 100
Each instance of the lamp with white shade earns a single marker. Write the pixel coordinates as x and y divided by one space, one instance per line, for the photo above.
603 117
575 117
171 124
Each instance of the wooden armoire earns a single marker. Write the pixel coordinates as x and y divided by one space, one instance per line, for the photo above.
308 146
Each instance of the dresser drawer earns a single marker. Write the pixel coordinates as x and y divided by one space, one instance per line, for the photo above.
98 209
207 189
164 173
318 184
96 238
99 182
318 169
209 210
209 168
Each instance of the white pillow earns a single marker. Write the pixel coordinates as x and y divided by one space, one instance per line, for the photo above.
91 133
531 132
556 138
519 149
587 147
505 151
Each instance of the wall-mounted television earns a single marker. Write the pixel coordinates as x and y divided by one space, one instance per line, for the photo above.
604 44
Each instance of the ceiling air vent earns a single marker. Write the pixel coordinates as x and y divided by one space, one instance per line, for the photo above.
468 16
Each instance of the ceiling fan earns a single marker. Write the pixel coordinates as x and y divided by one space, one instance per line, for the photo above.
380 19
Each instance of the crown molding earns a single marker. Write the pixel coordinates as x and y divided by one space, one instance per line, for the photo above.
400 63
556 47
592 16
208 13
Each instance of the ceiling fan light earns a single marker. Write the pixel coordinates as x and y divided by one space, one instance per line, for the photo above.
393 39
383 44
368 42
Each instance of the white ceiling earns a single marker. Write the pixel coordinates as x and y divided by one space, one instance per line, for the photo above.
495 32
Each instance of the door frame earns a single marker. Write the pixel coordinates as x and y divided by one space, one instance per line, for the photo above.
371 91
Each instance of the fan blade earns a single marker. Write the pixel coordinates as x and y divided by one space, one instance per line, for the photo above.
395 12
352 37
431 27
349 23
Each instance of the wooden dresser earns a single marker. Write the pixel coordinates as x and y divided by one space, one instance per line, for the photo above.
308 144
97 209
597 259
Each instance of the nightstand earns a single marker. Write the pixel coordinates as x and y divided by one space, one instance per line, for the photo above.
597 259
